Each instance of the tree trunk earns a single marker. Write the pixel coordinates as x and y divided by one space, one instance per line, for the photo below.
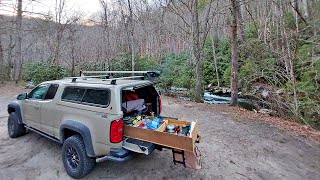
106 32
305 4
56 55
294 86
18 46
197 60
108 45
296 9
9 54
131 35
292 65
73 63
265 32
1 52
60 4
234 58
73 56
241 21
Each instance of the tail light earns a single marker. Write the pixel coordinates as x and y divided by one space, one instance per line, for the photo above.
116 131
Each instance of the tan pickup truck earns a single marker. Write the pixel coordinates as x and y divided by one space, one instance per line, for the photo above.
86 115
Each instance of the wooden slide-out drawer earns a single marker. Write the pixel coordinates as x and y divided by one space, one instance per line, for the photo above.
163 138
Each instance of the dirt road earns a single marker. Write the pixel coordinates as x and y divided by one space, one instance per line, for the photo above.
232 148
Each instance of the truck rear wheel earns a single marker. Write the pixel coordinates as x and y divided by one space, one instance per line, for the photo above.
14 128
75 159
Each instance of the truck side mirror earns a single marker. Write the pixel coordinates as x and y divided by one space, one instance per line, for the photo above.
22 96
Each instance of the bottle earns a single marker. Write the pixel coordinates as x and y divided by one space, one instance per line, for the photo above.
147 122
154 124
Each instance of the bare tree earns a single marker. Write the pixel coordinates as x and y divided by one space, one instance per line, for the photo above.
60 4
292 63
240 5
1 52
131 34
62 22
305 5
198 28
73 52
10 48
234 49
18 55
106 32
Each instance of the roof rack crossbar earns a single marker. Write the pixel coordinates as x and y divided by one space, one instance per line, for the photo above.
83 77
116 72
149 74
74 79
130 77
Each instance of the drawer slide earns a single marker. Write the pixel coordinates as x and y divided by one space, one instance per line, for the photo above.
138 146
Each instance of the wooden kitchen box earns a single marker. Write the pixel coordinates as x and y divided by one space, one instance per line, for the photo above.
163 138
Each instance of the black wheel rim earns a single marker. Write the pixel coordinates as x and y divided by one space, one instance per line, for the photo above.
11 127
72 158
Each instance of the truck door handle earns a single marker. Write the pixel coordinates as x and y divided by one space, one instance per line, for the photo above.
37 106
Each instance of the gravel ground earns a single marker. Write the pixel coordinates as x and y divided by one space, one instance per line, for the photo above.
232 148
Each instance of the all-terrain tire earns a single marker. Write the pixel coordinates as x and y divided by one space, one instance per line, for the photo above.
75 159
14 128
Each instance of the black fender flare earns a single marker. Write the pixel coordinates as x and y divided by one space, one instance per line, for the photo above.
17 110
82 130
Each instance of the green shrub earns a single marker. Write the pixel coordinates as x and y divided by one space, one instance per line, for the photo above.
121 63
289 20
4 73
223 58
43 71
145 64
176 71
227 76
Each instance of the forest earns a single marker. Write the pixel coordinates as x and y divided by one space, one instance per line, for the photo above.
266 50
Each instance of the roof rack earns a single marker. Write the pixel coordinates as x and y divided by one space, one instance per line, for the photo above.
149 75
